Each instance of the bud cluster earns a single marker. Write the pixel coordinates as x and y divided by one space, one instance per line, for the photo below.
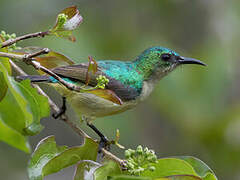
6 37
102 81
140 160
61 20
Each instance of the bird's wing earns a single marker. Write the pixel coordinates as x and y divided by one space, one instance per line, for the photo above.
78 73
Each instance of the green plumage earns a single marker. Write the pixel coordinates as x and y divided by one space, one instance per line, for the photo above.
147 62
124 72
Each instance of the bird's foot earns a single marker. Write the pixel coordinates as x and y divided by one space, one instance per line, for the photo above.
104 143
62 110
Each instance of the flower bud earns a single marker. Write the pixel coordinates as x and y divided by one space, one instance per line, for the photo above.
152 168
139 150
127 154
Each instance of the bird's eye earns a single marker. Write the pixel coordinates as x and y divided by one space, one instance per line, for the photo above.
165 57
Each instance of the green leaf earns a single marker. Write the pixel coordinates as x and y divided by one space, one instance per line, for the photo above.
49 158
67 20
209 176
29 107
85 170
13 138
169 167
199 166
125 177
44 152
13 107
3 86
37 105
176 177
180 177
3 60
110 168
21 110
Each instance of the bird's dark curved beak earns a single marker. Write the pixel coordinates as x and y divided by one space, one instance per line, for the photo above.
186 60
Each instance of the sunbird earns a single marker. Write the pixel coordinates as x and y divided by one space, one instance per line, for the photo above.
132 81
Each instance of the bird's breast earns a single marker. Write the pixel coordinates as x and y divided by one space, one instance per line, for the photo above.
147 89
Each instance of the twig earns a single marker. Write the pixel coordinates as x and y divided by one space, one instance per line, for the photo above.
27 36
70 86
12 56
64 118
29 59
113 157
37 53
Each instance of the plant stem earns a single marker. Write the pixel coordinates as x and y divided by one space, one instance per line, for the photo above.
113 157
27 36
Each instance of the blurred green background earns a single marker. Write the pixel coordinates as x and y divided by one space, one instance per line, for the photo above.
193 111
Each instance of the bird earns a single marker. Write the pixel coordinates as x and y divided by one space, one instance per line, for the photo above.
132 81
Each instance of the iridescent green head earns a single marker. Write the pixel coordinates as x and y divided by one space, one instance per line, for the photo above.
156 62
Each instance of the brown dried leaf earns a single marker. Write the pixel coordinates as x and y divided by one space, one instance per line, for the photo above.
51 60
54 59
92 67
107 94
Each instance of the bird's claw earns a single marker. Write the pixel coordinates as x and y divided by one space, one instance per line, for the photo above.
62 110
104 143
58 114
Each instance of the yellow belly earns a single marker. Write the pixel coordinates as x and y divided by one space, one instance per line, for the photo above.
90 105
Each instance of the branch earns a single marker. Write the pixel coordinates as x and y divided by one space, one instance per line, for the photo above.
113 157
27 36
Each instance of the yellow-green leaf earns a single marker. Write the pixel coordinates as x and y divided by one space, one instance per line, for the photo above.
3 86
107 94
49 158
169 167
199 166
37 105
125 177
180 177
13 138
110 168
21 110
54 59
92 68
50 60
85 170
3 60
